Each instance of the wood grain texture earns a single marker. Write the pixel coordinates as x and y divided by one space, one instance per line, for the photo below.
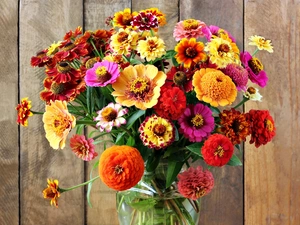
272 180
224 205
9 147
103 199
42 23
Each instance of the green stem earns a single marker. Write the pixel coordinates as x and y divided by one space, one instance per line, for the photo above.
242 102
34 112
254 53
97 53
162 65
77 186
85 122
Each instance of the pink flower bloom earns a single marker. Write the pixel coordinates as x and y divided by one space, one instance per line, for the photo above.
102 74
209 31
195 183
255 69
145 21
82 147
238 74
197 122
188 29
110 116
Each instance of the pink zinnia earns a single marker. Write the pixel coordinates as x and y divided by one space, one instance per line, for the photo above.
195 183
211 30
102 74
145 21
188 29
82 147
197 122
255 69
238 74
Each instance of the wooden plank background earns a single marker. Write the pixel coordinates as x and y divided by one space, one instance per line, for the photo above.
263 192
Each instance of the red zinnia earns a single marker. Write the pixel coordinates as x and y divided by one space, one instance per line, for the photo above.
195 183
217 150
262 127
171 103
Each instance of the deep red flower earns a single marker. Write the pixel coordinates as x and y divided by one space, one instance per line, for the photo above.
262 127
195 183
63 73
70 51
73 34
217 150
41 59
171 103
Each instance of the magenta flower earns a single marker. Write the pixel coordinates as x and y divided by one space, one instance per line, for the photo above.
82 147
110 116
102 74
238 74
195 183
255 69
211 30
197 122
188 29
145 21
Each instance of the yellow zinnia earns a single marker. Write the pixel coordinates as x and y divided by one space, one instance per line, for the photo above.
222 52
214 87
139 85
151 48
261 43
58 122
124 41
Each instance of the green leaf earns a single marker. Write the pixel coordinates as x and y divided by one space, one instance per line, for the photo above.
196 148
174 168
120 138
135 62
153 161
134 117
130 141
143 205
89 99
234 161
89 188
170 54
79 129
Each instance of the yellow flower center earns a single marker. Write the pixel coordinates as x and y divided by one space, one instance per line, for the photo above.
109 114
122 36
68 46
159 129
190 52
190 24
223 49
102 74
60 124
139 86
200 192
180 78
63 67
219 151
90 63
269 125
126 19
255 65
118 169
57 88
197 120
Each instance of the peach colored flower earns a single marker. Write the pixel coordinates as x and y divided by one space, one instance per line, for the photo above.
82 147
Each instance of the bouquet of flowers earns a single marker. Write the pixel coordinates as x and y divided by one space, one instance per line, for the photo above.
153 106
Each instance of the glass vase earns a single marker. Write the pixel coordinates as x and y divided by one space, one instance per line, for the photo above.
150 203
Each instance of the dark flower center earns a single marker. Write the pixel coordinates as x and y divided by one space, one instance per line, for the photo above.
109 114
255 65
223 48
57 88
190 52
200 191
251 90
159 129
68 46
127 18
236 126
180 78
63 67
122 36
102 74
90 63
152 45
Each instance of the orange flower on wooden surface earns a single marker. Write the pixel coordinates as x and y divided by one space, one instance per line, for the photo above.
121 167
52 191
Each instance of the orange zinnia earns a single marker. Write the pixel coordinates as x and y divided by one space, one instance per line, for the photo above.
24 112
188 51
214 87
52 191
121 167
